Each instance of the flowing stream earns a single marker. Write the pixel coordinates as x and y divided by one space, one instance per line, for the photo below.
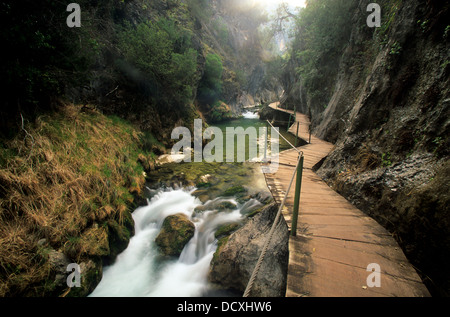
250 115
140 270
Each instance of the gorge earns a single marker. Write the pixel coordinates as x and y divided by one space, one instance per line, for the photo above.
87 113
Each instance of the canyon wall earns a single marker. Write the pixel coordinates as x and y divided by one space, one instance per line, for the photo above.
388 115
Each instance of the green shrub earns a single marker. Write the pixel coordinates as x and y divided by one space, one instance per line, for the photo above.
163 53
210 88
322 33
220 111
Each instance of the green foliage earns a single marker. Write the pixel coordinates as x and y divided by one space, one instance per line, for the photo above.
446 32
322 33
274 68
220 112
389 12
200 9
43 56
386 159
163 53
210 87
213 69
423 25
395 49
41 53
221 30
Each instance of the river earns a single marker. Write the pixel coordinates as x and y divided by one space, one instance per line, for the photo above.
139 271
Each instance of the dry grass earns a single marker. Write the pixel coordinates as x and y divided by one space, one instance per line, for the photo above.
69 173
367 159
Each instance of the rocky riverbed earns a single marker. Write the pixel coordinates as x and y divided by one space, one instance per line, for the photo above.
200 233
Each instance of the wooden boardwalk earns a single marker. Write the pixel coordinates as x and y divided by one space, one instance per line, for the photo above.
335 241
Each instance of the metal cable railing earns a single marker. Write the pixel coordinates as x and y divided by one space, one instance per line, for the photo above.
297 171
283 137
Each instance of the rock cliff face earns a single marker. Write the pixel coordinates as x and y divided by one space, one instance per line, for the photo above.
237 255
389 118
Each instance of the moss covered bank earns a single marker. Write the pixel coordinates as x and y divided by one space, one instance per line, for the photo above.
68 184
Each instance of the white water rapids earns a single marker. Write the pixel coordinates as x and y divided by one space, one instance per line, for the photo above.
250 115
138 271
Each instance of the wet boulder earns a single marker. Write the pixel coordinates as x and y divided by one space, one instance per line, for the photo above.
237 255
175 233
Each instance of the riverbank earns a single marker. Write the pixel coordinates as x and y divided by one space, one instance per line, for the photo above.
68 184
220 201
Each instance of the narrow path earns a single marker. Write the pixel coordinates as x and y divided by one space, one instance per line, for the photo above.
335 241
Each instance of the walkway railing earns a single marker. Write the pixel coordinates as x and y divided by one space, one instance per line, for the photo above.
298 171
274 129
295 120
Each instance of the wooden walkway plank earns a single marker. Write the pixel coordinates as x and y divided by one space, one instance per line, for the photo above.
335 241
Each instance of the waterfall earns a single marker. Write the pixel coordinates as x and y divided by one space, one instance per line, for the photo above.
139 271
250 115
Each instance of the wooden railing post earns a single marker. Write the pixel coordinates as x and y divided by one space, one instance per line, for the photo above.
298 188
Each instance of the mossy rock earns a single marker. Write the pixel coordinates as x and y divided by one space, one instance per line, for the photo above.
91 275
199 209
175 233
225 205
242 200
220 244
226 230
200 192
235 190
265 197
255 212
202 195
203 185
206 181
119 236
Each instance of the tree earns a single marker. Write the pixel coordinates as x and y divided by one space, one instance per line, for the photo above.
322 33
42 55
163 56
210 88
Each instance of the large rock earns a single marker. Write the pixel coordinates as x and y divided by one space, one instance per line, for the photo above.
56 280
237 255
58 263
175 233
